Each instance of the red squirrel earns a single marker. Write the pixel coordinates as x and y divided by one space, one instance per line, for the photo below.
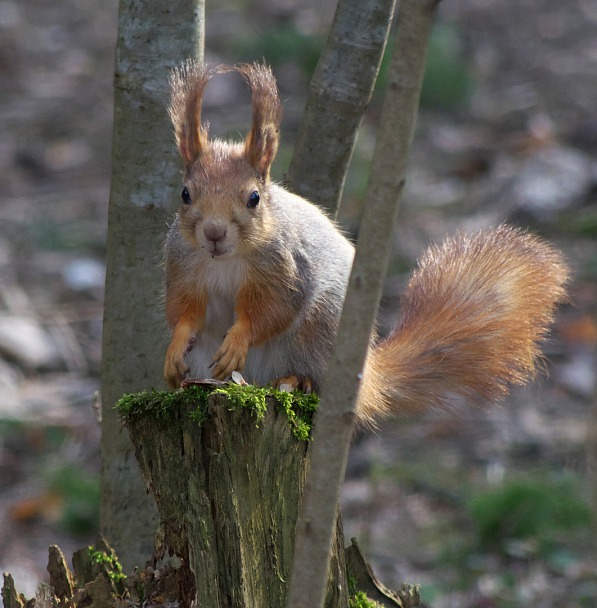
256 278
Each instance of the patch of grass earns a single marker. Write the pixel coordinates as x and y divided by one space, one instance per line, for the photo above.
11 427
537 513
535 521
280 45
164 405
579 221
80 493
447 83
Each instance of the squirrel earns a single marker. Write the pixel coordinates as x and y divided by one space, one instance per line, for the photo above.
256 278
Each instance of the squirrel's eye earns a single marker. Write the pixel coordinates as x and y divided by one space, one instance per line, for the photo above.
186 196
253 200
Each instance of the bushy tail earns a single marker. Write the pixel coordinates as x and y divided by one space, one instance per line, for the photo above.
473 314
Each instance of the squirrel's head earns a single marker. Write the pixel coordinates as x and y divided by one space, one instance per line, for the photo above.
225 197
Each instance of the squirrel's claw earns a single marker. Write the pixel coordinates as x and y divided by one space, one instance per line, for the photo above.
231 356
175 369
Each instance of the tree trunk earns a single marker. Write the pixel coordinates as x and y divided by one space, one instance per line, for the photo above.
339 94
228 493
152 38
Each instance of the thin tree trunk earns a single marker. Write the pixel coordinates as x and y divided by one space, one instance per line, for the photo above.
152 38
592 458
333 426
338 96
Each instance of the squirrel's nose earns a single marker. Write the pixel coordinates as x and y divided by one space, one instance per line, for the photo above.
214 231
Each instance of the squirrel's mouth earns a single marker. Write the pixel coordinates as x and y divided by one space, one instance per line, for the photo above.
218 251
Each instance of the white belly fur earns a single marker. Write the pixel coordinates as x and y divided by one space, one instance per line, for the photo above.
264 362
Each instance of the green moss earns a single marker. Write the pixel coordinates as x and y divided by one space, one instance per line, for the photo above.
113 566
360 600
249 396
164 405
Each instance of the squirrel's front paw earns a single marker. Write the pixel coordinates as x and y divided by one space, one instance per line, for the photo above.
231 356
175 368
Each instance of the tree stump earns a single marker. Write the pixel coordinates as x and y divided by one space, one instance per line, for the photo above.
227 472
228 482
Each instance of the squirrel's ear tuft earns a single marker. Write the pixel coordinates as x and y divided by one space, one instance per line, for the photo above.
262 141
187 86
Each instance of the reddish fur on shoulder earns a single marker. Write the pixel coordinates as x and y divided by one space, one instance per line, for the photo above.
472 316
263 310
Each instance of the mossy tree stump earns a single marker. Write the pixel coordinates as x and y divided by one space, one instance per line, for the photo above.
228 481
227 472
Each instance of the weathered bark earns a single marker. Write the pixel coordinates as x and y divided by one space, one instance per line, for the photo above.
152 38
339 94
11 598
228 494
365 580
333 428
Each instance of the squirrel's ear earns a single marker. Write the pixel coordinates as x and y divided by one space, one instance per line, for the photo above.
187 85
262 141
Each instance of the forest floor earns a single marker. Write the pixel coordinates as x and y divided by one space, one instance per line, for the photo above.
486 508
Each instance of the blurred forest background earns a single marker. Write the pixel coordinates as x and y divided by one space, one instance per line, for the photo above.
489 508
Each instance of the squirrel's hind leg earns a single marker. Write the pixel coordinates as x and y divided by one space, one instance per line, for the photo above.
293 382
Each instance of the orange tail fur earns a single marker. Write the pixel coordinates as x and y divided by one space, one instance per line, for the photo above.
472 316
